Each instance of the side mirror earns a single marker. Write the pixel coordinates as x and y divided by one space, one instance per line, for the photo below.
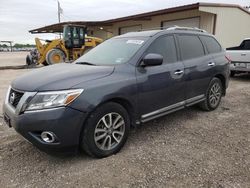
152 60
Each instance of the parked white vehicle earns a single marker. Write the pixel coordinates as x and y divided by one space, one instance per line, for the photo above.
240 57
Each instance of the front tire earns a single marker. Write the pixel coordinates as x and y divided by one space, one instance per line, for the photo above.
213 95
55 56
232 73
106 130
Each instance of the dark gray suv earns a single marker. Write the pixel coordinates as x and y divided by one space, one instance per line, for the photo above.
125 81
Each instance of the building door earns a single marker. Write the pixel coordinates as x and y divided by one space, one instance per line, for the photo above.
127 29
189 22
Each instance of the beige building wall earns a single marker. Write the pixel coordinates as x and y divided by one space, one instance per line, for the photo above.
206 22
232 25
104 34
155 22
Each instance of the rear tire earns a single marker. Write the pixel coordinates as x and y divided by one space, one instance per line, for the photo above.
28 60
45 63
54 56
106 130
213 95
232 73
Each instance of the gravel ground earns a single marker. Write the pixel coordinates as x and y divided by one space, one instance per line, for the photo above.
13 58
189 148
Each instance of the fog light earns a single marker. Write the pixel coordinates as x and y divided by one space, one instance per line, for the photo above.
48 137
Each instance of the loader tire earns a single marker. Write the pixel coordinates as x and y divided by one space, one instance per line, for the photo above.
55 56
45 63
28 60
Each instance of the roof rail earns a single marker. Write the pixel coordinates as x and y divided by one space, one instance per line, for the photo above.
186 29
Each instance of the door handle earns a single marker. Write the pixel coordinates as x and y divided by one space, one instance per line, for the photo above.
243 54
211 64
178 72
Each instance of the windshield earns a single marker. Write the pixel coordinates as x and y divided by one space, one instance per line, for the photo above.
113 51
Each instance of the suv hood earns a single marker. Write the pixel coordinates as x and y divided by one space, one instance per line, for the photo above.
60 77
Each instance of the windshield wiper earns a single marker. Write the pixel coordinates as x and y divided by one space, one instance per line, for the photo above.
85 63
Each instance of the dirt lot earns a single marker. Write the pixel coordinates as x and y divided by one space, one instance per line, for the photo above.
12 58
189 148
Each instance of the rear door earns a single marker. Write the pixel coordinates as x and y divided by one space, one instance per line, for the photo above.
161 88
219 56
198 66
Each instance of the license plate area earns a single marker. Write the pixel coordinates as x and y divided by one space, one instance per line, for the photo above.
241 65
6 120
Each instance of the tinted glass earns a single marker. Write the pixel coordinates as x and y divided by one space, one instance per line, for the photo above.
113 51
164 46
191 46
246 45
211 44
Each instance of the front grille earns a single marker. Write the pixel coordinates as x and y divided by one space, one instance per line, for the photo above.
15 97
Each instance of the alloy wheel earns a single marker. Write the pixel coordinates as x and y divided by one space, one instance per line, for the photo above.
215 94
109 131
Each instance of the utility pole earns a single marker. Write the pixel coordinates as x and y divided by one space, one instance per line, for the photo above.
59 11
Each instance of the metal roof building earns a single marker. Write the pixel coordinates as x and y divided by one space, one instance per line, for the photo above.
229 23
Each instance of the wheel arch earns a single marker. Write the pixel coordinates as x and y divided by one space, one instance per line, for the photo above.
223 81
125 103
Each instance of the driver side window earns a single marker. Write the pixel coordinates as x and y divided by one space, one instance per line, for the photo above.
164 46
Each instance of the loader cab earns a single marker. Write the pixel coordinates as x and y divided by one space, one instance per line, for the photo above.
74 36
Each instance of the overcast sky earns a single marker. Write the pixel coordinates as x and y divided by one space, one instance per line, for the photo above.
19 16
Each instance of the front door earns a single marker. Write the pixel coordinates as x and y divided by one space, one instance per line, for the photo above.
161 88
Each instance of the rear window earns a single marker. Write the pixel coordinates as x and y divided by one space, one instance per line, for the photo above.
245 45
191 46
212 45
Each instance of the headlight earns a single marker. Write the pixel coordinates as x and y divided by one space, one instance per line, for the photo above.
44 100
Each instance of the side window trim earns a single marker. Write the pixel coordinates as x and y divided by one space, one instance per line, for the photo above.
204 46
187 34
177 47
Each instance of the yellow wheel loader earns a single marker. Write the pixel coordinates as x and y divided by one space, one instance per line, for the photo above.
74 43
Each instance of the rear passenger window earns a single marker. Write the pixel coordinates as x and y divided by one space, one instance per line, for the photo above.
164 46
191 46
246 45
211 44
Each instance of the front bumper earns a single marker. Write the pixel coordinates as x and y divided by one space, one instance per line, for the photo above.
66 123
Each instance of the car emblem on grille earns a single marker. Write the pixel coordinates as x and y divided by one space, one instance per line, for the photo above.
12 98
